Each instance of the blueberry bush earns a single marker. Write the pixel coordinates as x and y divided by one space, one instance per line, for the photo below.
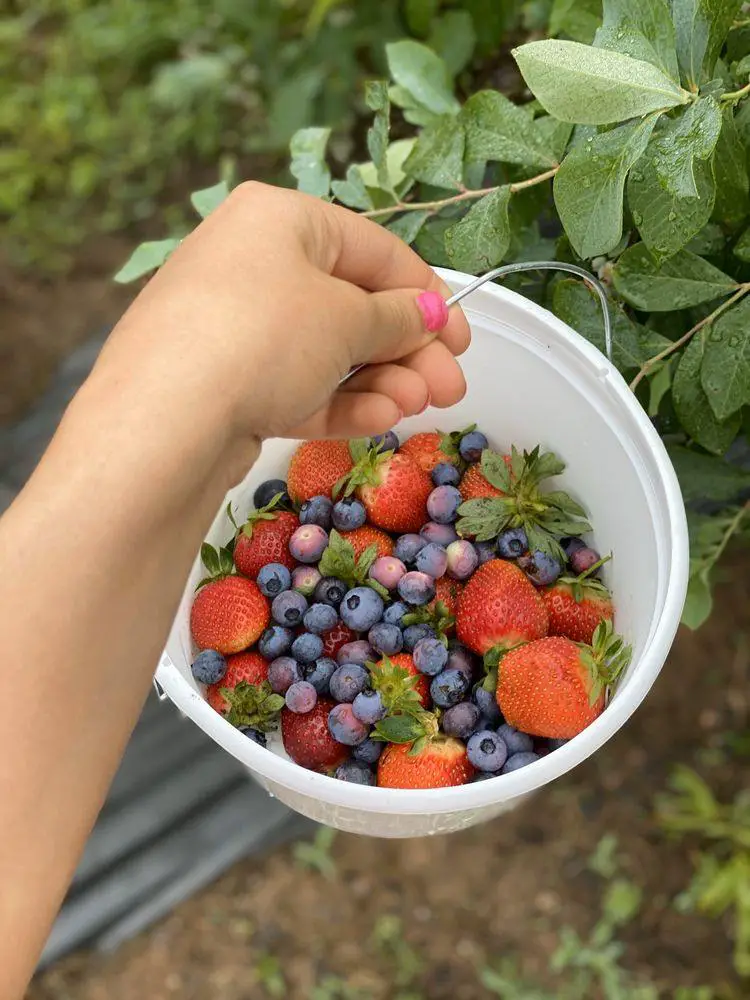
626 151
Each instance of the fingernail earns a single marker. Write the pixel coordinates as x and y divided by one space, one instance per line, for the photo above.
427 403
434 310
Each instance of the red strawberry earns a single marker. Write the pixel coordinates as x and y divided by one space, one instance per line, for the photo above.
362 538
500 607
425 450
250 667
474 486
229 615
336 638
393 487
308 741
265 539
316 467
390 685
576 606
448 592
440 763
555 687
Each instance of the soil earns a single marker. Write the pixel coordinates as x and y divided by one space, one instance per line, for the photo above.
470 899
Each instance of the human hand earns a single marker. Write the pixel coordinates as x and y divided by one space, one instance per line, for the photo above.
263 309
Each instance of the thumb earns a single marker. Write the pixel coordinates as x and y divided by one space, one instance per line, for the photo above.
399 322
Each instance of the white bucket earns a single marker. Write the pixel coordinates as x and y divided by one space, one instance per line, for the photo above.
532 380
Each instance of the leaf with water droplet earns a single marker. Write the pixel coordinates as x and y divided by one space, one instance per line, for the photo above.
725 372
730 170
678 142
578 19
481 239
497 129
642 29
438 155
691 405
577 306
681 282
701 26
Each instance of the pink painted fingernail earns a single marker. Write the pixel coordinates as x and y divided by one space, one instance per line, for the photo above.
434 310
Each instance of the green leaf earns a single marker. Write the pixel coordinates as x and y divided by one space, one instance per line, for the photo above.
703 477
590 183
308 166
395 157
659 384
725 373
210 559
580 84
621 902
496 129
352 192
578 19
438 156
730 171
683 281
709 242
481 239
700 28
408 225
642 29
699 601
399 729
207 199
577 306
419 13
376 95
691 135
666 221
424 74
556 134
692 406
144 259
742 247
454 39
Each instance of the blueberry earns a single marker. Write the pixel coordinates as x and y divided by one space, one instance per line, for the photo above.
301 698
571 545
460 720
316 510
472 445
432 560
541 569
463 559
307 648
254 734
486 751
515 742
512 543
487 705
368 751
288 608
485 551
265 493
368 707
308 543
415 633
347 681
430 656
407 546
445 474
305 579
319 674
356 772
320 618
449 687
416 588
583 559
461 658
282 673
209 667
443 504
387 571
394 613
519 760
386 442
360 651
349 514
330 590
273 578
555 744
387 639
361 608
440 534
345 727
275 641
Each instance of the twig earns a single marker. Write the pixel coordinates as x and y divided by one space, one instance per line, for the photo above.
731 530
736 95
436 206
648 365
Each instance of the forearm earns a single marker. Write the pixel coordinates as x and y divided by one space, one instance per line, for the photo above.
94 556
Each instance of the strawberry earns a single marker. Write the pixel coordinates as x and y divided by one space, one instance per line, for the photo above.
338 636
362 538
263 539
447 593
340 560
308 741
440 763
400 684
425 450
229 614
555 687
393 487
316 467
499 607
474 486
577 605
250 667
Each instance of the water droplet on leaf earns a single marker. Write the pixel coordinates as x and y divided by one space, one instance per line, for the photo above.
637 218
672 216
734 340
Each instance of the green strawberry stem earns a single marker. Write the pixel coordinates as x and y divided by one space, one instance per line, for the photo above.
439 619
253 705
219 563
267 513
339 559
367 459
584 583
606 659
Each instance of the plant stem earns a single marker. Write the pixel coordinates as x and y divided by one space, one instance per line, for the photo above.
436 206
731 529
648 365
736 95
